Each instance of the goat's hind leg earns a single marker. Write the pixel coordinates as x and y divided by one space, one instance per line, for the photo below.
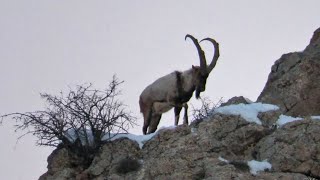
147 118
155 119
185 117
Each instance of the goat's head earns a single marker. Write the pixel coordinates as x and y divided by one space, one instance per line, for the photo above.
201 73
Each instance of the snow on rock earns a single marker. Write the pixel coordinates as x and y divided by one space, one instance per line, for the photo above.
140 139
223 160
315 117
283 119
247 111
256 166
85 137
168 127
194 131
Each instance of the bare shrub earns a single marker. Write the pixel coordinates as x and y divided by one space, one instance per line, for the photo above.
80 120
207 106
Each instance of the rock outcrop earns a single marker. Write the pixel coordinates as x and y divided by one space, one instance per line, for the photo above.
196 153
294 81
294 148
237 100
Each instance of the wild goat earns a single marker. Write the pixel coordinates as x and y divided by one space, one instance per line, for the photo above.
175 90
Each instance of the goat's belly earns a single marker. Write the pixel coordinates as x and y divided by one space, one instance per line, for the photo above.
161 107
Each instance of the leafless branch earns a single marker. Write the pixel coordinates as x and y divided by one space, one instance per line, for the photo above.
206 107
83 115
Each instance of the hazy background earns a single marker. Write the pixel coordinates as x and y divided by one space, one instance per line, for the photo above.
47 46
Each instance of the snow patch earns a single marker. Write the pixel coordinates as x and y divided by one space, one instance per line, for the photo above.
223 160
256 166
247 111
315 117
283 119
168 127
88 138
140 139
85 137
194 131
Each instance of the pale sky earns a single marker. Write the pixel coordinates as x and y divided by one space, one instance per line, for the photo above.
47 46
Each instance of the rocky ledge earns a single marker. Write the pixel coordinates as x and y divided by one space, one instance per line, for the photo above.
236 141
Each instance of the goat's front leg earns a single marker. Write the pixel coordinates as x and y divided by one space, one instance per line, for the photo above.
177 111
185 117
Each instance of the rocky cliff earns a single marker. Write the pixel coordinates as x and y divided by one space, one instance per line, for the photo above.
294 81
240 140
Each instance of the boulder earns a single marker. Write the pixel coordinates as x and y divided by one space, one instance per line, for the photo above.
269 118
230 136
293 148
294 81
237 100
62 164
122 156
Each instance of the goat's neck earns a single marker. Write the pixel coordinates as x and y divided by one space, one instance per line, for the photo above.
188 81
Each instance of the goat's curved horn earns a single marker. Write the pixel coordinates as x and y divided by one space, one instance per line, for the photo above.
203 63
216 53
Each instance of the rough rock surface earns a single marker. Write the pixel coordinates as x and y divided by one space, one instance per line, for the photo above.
111 156
269 118
62 165
237 100
294 81
293 148
193 153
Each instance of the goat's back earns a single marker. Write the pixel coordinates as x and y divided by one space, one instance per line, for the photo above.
160 90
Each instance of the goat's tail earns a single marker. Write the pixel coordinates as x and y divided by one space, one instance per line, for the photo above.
142 104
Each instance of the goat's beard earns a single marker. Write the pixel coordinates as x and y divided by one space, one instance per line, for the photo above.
198 93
